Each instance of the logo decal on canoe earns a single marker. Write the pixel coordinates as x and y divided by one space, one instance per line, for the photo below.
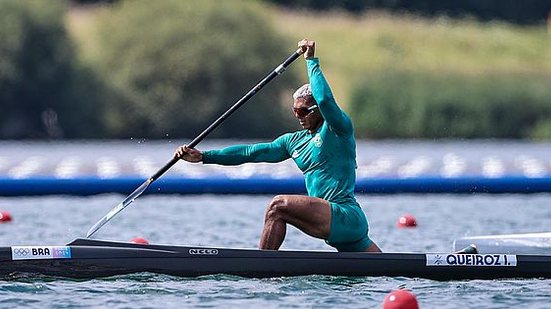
471 260
203 251
35 252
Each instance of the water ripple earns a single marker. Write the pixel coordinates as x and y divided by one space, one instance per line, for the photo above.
236 221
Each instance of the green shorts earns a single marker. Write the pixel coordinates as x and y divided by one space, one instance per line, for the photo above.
349 228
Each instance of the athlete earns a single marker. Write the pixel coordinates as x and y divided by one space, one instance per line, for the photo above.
325 151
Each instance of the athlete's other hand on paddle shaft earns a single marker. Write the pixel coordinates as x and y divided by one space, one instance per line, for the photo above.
308 48
189 154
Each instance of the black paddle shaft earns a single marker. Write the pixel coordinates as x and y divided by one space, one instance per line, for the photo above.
277 71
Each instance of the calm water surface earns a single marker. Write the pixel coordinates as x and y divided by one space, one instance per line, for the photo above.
236 221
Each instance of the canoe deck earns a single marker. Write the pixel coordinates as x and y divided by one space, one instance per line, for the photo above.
84 258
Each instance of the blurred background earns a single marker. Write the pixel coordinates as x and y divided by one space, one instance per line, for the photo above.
446 96
424 69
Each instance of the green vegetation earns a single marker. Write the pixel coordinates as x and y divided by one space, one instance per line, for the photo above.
174 66
530 12
428 78
158 68
398 104
44 92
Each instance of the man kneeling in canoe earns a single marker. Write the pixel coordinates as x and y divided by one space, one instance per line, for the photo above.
325 151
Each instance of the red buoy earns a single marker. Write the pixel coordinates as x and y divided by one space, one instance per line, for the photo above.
5 216
140 240
400 299
407 221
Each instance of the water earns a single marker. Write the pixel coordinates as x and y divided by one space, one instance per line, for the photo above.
402 159
236 221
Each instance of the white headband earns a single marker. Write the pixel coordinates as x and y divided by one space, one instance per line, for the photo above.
303 92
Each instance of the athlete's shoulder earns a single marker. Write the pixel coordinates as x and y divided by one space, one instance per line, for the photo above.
286 139
293 136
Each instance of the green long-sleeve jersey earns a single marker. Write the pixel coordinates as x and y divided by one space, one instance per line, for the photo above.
327 157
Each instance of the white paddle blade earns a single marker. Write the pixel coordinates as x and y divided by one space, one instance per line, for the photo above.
113 212
104 220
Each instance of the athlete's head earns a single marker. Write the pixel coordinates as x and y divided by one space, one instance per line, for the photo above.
306 109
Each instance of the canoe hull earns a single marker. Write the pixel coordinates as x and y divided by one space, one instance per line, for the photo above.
94 259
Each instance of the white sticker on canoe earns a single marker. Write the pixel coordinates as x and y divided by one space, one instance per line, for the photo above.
471 260
35 252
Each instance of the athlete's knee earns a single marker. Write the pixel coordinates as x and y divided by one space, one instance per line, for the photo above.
277 207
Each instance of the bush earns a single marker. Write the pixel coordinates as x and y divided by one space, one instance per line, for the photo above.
175 66
419 105
39 75
525 12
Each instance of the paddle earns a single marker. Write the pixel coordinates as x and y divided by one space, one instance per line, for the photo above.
141 189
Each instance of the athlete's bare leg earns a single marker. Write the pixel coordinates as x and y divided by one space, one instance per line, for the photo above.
311 215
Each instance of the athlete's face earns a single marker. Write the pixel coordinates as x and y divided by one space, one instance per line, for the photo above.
307 113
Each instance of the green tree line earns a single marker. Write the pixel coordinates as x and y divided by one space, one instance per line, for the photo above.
169 68
521 12
451 106
42 87
163 68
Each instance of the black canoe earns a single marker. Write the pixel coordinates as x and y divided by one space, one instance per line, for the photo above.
84 258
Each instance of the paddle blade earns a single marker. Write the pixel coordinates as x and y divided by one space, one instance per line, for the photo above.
113 212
